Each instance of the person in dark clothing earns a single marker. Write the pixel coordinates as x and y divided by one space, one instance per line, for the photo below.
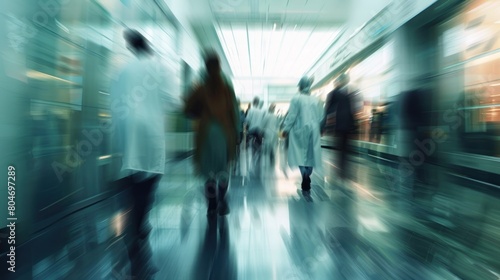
340 102
375 124
212 103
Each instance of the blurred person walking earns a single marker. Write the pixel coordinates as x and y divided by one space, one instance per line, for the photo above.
213 104
255 122
271 130
415 146
302 127
341 103
139 98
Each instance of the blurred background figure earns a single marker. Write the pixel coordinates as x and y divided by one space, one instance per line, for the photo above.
302 127
271 133
237 163
415 146
340 102
213 103
138 98
375 123
255 120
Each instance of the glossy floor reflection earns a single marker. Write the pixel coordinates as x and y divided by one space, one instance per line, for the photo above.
342 230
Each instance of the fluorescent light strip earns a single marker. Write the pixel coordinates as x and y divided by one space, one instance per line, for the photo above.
281 53
43 76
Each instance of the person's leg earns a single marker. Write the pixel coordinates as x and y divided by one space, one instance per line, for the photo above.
306 181
132 236
131 233
145 197
140 251
308 173
223 187
309 170
343 154
213 158
211 195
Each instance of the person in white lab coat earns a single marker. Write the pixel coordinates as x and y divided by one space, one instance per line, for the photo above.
139 98
302 127
256 120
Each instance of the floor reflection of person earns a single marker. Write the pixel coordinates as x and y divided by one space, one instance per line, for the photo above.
215 259
375 122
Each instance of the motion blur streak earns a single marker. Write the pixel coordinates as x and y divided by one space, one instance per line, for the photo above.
421 199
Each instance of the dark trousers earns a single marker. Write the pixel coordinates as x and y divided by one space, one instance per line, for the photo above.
306 171
141 196
343 138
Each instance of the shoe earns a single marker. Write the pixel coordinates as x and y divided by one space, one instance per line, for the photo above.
212 207
223 208
306 183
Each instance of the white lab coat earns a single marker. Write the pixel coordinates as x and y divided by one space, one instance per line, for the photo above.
140 98
271 131
256 118
303 127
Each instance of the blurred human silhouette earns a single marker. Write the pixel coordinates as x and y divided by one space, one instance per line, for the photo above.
414 147
256 120
340 102
375 122
213 104
139 98
302 127
271 133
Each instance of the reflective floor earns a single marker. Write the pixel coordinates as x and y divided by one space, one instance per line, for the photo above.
342 230
354 229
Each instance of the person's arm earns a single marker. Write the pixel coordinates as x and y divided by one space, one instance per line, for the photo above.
169 96
291 117
329 107
193 103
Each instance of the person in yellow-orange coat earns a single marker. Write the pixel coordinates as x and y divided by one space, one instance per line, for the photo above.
213 104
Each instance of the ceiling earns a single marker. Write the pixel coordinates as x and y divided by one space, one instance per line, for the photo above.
269 42
310 12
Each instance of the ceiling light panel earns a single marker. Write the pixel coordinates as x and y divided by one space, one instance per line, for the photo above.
241 41
256 45
257 51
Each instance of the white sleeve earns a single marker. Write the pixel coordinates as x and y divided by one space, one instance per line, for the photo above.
292 115
170 95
